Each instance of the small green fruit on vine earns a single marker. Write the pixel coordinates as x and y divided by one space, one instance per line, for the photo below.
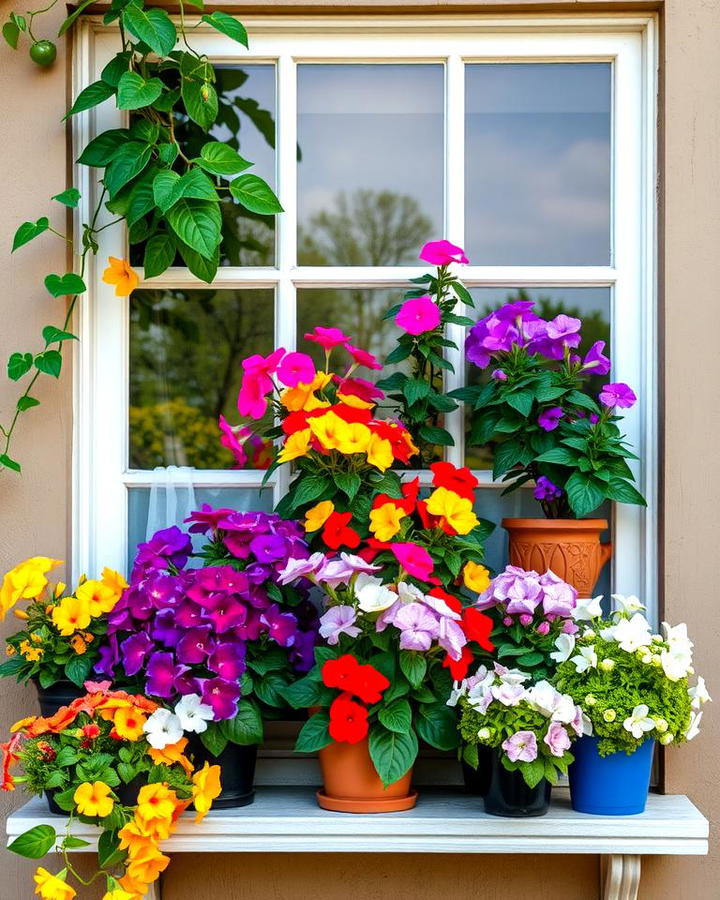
43 53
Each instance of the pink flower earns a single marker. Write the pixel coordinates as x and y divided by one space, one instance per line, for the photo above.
363 357
442 253
418 627
557 739
418 315
521 746
230 439
360 388
414 559
543 628
257 382
296 368
617 394
327 337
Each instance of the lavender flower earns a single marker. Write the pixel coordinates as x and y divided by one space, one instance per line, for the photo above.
336 621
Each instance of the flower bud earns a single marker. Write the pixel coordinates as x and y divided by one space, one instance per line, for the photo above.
508 621
609 715
607 664
656 661
525 619
484 734
667 738
661 725
588 634
499 375
646 658
21 614
569 627
543 628
590 700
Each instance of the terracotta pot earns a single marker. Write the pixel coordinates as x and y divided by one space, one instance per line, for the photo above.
570 547
351 783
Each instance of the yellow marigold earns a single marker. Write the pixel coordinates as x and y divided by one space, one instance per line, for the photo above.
99 597
330 430
114 580
302 397
78 643
93 799
206 787
296 445
156 801
385 521
318 515
51 887
172 753
147 865
72 614
379 453
356 440
25 582
475 577
456 510
120 273
129 723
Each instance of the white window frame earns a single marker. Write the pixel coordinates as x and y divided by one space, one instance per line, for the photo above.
101 479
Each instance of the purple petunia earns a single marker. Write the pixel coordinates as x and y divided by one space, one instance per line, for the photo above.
618 394
546 490
549 419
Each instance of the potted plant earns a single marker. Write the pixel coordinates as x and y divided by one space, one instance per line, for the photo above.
107 759
546 427
529 726
221 639
529 612
62 632
633 685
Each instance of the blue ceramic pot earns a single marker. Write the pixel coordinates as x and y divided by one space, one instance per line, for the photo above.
614 785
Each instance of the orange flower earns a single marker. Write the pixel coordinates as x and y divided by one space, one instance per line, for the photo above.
22 724
147 865
156 801
133 839
93 799
137 888
129 723
78 644
173 753
63 717
206 787
121 275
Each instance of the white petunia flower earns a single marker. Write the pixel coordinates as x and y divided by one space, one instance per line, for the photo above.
625 606
698 693
565 644
639 722
162 729
694 726
193 714
676 663
586 610
586 659
631 634
372 595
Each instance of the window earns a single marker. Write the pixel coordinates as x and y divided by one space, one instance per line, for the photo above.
527 141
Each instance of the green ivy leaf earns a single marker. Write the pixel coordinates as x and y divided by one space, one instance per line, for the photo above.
168 153
166 189
35 843
152 26
197 186
198 224
134 92
100 151
64 285
92 95
246 728
201 102
159 255
11 33
220 159
201 268
392 754
49 362
73 16
255 195
129 161
116 68
228 25
28 231
19 364
25 402
70 197
314 735
70 842
9 463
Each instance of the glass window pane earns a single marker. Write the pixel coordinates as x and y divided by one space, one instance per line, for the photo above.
538 163
246 122
370 176
591 304
186 349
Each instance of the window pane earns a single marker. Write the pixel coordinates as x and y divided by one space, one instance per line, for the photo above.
246 122
186 349
538 163
370 177
591 304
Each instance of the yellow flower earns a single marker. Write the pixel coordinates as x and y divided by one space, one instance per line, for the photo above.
31 654
147 865
136 888
156 801
206 787
134 839
475 577
357 438
456 510
121 275
78 644
59 589
296 445
114 580
318 515
330 430
93 799
99 597
10 650
352 400
36 639
385 521
21 614
25 582
303 396
22 723
129 723
379 453
72 614
50 887
172 753
119 894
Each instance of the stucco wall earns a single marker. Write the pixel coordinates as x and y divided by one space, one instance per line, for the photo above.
34 508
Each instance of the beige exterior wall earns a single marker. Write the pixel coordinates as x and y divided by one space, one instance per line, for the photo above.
35 508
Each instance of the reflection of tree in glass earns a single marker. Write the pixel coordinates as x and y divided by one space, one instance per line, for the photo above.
186 350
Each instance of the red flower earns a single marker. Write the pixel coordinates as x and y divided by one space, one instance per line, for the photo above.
427 520
348 720
477 627
460 480
359 387
338 673
398 436
295 421
351 414
368 684
458 667
336 532
453 602
410 491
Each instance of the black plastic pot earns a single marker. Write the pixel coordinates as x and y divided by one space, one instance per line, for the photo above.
477 781
237 771
62 693
508 794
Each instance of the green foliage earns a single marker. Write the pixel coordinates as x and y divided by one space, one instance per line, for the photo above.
35 843
392 753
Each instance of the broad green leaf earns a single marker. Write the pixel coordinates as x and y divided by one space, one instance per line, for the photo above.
434 435
623 492
415 389
53 335
70 842
229 25
255 194
167 153
307 488
349 483
197 186
396 716
92 95
70 197
9 463
166 189
11 33
198 224
78 669
220 159
73 16
584 495
49 362
141 199
152 26
214 739
413 666
306 692
201 102
145 131
522 401
18 365
109 852
246 728
270 690
204 269
401 352
134 92
559 456
437 725
64 285
159 255
20 21
35 843
116 68
100 151
314 734
26 402
28 231
128 162
392 754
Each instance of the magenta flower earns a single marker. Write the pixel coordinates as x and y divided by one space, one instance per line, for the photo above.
360 388
564 330
282 627
206 519
257 383
546 490
415 560
442 253
229 613
165 628
327 337
549 419
363 357
521 746
557 739
227 661
417 625
223 696
296 368
418 315
189 614
169 545
161 672
596 360
196 645
230 438
336 621
618 394
134 651
498 375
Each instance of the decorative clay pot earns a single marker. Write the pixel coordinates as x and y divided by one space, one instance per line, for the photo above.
352 785
237 771
508 795
614 785
570 547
